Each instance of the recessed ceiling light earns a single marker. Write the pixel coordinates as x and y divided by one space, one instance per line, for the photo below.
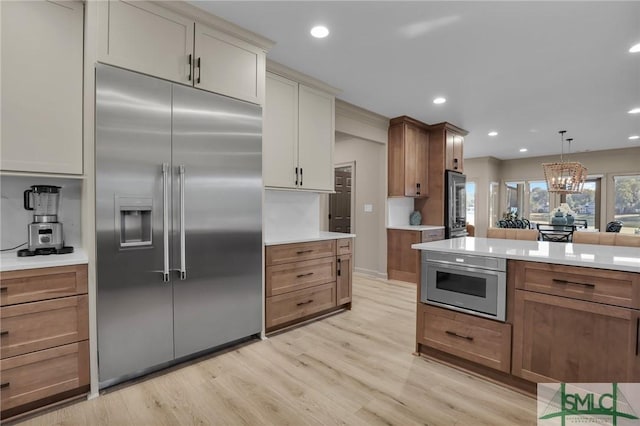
493 133
635 48
634 111
319 31
438 101
523 150
634 137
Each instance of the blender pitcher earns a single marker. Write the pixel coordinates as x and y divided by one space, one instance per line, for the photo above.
46 201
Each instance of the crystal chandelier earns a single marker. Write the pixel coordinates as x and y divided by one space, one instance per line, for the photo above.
565 177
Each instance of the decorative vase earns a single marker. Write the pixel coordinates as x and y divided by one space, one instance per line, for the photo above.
558 218
415 218
569 217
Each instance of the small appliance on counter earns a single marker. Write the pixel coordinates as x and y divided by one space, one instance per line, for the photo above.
45 232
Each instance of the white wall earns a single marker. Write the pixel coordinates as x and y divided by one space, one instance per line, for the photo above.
14 218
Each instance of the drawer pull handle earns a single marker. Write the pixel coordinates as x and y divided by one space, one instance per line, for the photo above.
573 282
3 289
4 333
5 385
339 267
303 251
305 275
637 335
304 303
454 334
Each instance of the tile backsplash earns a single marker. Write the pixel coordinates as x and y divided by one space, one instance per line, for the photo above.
14 218
291 214
399 210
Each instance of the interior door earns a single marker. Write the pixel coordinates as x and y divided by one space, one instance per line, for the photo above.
340 202
133 141
217 183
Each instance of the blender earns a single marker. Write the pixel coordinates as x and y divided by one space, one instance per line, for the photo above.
45 232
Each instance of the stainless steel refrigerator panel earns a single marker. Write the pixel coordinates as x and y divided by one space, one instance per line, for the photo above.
217 186
133 141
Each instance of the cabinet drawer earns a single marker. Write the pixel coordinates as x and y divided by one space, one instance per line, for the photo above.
285 253
297 304
344 245
43 374
35 326
432 235
40 284
476 339
590 284
298 275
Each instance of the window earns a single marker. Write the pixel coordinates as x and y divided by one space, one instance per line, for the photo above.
471 202
538 201
494 204
515 198
586 205
627 202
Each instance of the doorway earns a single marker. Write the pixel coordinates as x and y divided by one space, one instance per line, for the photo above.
341 202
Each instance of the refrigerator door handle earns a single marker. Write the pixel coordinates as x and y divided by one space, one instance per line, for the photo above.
165 220
183 264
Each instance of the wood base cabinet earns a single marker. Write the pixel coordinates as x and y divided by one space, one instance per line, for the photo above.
567 340
575 324
44 340
403 262
480 340
304 280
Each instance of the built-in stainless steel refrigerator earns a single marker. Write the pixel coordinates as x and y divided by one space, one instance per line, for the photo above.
178 219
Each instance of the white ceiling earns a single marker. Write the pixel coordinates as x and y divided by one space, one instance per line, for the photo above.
524 69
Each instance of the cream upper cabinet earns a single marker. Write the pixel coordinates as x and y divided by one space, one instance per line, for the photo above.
148 38
280 132
228 66
298 136
316 135
41 125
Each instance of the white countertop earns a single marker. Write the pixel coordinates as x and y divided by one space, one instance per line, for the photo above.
321 236
10 261
416 227
593 256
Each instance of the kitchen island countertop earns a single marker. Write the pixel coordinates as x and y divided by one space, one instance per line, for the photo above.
416 227
9 261
616 258
321 236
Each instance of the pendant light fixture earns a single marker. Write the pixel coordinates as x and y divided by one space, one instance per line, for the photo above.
565 177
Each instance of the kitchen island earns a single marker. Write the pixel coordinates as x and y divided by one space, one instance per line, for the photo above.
572 311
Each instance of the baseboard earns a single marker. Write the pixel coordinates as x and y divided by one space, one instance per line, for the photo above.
370 273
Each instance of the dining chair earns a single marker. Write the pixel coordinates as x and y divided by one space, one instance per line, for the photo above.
581 223
614 226
555 233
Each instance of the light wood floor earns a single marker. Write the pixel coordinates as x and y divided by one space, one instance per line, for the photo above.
354 368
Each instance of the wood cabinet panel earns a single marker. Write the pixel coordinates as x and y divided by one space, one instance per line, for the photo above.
476 339
294 305
403 263
561 339
228 66
285 253
40 284
42 86
298 275
408 158
147 38
38 375
30 327
432 235
344 279
596 285
344 245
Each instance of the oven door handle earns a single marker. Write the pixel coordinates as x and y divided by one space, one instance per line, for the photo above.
453 267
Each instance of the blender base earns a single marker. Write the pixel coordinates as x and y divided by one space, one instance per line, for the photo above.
44 251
